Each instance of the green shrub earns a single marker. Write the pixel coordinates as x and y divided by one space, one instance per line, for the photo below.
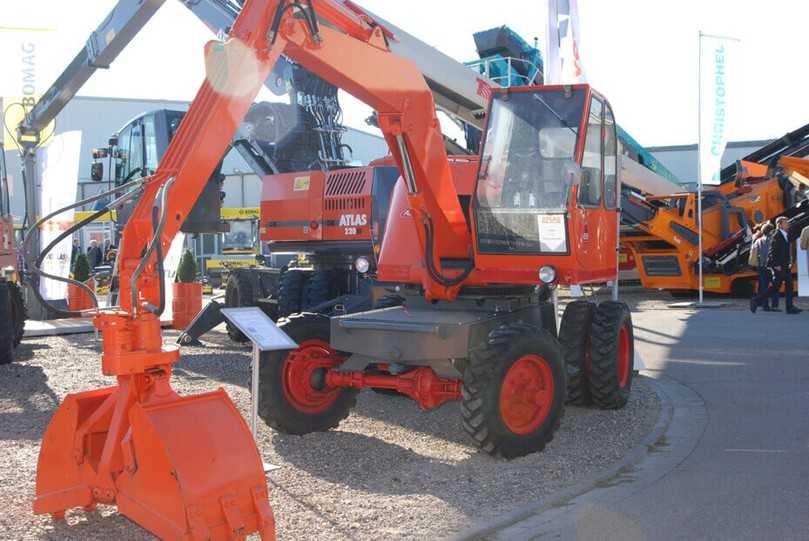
187 269
81 269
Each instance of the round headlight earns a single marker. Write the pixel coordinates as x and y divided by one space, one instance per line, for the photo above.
547 274
362 264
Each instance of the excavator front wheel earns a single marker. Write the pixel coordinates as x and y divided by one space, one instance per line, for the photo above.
612 354
514 391
294 397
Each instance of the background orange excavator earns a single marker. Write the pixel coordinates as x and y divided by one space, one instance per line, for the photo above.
661 233
476 247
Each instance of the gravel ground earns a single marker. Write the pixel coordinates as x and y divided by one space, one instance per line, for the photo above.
390 471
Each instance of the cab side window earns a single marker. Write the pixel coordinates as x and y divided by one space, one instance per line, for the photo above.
122 165
150 139
610 160
590 187
136 152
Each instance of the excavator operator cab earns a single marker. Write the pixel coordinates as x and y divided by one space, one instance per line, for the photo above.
547 183
136 150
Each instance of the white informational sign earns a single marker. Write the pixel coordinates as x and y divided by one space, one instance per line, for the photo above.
259 328
58 175
803 273
552 233
171 261
265 336
562 62
718 61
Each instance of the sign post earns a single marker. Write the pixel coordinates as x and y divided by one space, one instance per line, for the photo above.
265 336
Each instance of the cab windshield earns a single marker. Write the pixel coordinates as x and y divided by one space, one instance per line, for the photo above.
528 159
240 237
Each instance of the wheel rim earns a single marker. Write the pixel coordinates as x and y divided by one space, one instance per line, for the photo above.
300 367
624 352
527 394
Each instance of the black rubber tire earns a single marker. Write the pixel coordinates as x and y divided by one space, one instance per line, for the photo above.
19 313
290 292
574 338
608 319
274 407
483 378
318 289
682 293
239 292
743 288
7 326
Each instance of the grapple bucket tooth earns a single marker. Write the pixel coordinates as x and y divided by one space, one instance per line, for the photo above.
191 471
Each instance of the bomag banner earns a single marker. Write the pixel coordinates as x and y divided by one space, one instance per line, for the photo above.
27 71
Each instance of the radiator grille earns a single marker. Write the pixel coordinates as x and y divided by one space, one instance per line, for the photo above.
345 183
661 265
345 203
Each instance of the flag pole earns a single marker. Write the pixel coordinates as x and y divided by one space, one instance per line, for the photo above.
699 162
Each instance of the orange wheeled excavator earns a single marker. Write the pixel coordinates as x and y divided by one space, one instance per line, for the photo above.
477 268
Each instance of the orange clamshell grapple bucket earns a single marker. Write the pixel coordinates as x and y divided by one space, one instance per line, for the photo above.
181 467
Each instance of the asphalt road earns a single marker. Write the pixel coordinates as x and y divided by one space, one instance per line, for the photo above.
743 470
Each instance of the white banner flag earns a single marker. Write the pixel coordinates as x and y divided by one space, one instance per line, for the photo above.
562 62
59 175
717 57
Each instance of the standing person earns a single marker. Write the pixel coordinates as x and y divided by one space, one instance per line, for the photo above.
757 231
779 263
94 254
74 252
759 254
804 244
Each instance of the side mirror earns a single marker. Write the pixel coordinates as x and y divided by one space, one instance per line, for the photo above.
97 171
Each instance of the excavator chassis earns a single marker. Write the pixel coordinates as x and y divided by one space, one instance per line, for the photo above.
437 335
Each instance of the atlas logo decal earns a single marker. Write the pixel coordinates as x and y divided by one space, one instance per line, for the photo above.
353 219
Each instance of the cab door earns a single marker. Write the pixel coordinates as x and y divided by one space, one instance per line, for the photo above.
595 221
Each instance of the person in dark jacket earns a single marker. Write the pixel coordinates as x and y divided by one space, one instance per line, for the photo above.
94 255
759 256
779 263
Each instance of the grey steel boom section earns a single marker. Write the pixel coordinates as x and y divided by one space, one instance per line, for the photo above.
102 47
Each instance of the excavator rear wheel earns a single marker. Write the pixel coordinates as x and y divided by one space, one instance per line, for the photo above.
294 397
7 330
612 354
19 313
319 288
514 391
239 292
291 292
574 337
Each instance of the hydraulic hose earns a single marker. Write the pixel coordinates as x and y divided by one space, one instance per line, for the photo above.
159 266
38 272
26 243
158 231
428 258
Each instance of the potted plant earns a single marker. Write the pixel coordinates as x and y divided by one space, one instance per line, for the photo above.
187 300
77 298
